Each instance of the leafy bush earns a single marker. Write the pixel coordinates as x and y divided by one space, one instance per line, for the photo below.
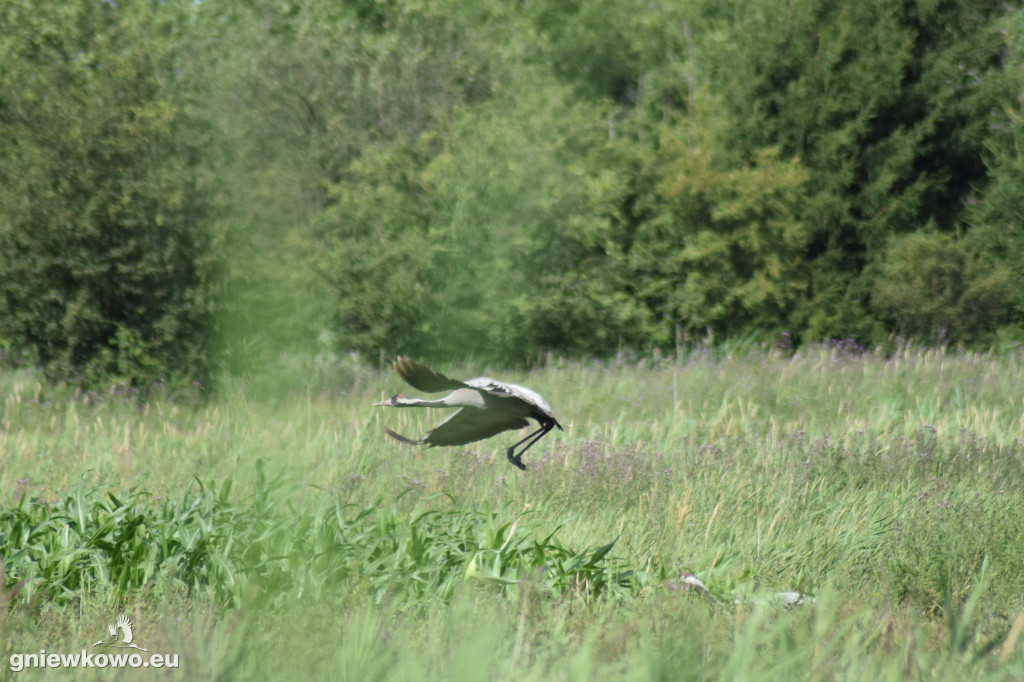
105 227
930 288
499 242
724 253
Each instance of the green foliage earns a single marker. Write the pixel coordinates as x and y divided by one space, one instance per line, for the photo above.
996 221
322 115
90 541
498 242
725 254
380 257
887 107
104 231
888 486
928 287
239 185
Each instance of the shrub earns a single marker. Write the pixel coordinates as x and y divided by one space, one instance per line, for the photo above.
104 242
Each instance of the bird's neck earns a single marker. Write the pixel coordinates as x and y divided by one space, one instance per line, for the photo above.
418 402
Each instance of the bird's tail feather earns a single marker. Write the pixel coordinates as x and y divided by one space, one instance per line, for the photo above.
400 438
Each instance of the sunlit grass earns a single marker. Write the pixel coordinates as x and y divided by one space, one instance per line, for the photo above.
270 536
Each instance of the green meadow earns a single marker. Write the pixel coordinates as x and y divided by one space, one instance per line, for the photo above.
277 534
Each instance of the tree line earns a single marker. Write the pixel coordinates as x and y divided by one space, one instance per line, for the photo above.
190 187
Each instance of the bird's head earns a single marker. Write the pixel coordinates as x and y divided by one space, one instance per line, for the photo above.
394 401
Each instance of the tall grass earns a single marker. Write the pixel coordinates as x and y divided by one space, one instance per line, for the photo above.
277 536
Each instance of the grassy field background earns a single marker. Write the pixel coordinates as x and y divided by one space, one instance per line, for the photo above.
279 535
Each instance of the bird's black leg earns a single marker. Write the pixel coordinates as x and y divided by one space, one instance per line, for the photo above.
536 435
515 460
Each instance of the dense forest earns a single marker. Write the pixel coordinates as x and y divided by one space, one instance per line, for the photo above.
193 187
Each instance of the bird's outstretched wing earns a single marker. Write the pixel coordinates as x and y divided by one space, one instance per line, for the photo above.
126 628
400 438
503 390
469 425
491 386
424 379
458 430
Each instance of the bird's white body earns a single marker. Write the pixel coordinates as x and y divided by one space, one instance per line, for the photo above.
486 408
692 582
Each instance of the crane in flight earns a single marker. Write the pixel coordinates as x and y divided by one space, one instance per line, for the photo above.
486 408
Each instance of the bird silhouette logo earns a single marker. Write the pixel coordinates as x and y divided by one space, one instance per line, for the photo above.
125 626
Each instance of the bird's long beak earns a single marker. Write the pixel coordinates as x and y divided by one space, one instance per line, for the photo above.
387 403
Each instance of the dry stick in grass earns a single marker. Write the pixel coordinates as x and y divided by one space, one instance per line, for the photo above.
512 530
714 513
1011 639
